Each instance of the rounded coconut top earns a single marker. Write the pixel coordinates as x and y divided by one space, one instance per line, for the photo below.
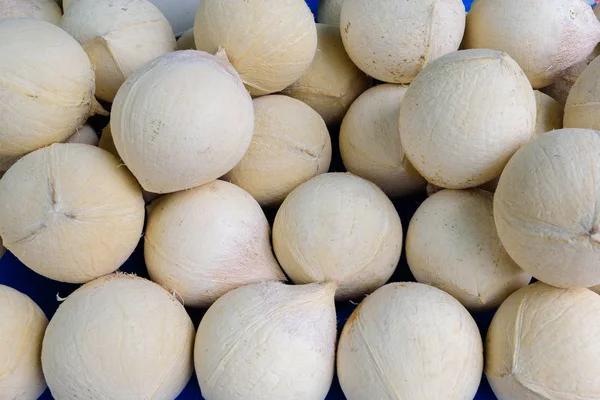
442 107
119 336
181 121
69 223
290 145
545 208
543 344
581 110
329 12
427 346
338 227
549 114
46 10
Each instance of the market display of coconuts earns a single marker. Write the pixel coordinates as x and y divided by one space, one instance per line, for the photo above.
299 200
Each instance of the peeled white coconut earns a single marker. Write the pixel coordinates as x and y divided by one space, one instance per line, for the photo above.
338 227
583 103
453 245
370 141
119 36
48 88
46 10
180 13
270 43
545 208
410 341
329 12
549 114
186 41
544 37
460 133
290 145
332 82
22 327
119 337
383 43
543 344
205 242
181 121
84 135
67 222
268 341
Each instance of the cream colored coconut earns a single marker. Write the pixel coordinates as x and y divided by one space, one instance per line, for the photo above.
329 12
47 85
544 37
84 135
291 145
119 337
410 341
583 103
205 242
268 341
460 133
270 43
22 327
453 245
332 82
119 36
543 344
370 141
186 41
181 121
549 114
66 222
545 208
338 227
46 10
383 43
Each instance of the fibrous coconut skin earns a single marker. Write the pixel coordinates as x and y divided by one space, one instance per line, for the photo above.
382 43
546 208
119 337
205 242
332 82
69 223
46 10
543 344
545 38
290 145
549 114
270 43
47 85
268 341
119 36
370 141
453 245
186 41
22 327
183 120
84 135
450 141
410 341
583 103
338 227
329 12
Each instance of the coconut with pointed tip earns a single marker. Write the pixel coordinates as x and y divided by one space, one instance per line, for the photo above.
46 10
137 343
268 341
329 12
583 103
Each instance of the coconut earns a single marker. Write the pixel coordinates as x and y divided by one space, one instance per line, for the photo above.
332 82
290 145
338 227
543 344
549 114
181 121
84 135
22 327
268 341
370 143
329 12
119 36
270 43
446 133
136 344
382 43
205 242
186 41
49 85
46 10
453 245
583 104
410 341
545 38
553 237
69 223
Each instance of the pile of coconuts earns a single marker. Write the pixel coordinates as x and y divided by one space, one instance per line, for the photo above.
303 198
